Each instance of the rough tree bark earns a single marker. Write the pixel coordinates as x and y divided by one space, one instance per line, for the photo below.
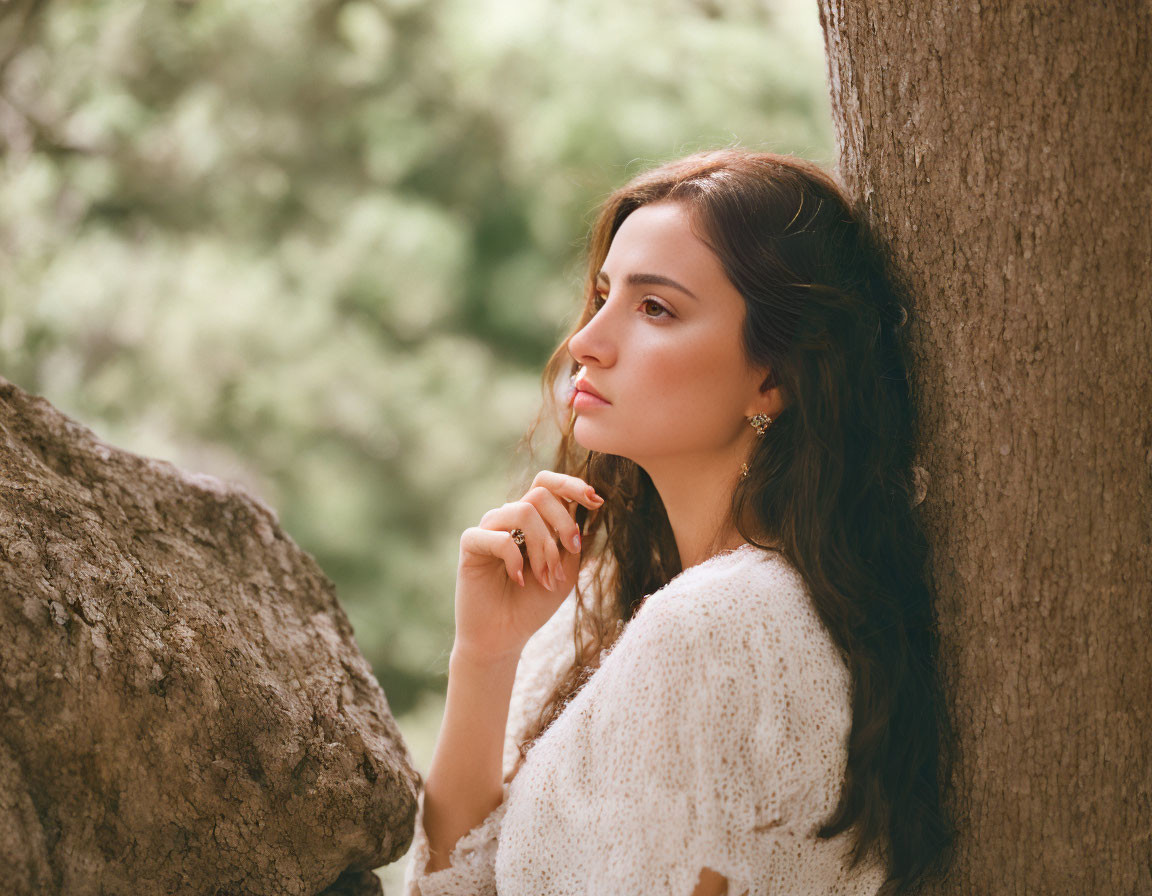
1003 151
183 709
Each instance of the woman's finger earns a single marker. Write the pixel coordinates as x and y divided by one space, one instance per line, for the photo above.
555 495
571 487
560 526
538 538
559 516
477 540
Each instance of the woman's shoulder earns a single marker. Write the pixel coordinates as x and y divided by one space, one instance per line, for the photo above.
751 603
739 636
748 583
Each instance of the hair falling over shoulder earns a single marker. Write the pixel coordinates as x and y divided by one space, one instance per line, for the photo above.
831 482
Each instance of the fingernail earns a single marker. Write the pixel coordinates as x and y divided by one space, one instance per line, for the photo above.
576 541
558 575
520 577
546 579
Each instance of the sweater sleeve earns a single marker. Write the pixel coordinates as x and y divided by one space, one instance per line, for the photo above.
471 869
712 740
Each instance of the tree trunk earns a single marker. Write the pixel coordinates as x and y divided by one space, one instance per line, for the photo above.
183 708
1002 151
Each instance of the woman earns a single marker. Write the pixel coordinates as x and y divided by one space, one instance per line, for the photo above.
741 694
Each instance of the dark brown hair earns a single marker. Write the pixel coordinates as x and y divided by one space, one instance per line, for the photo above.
831 482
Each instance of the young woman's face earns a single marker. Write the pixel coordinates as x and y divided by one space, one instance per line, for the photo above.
667 358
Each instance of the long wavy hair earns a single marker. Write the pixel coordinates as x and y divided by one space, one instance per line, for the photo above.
831 482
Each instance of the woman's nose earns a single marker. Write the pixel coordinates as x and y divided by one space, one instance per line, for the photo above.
591 343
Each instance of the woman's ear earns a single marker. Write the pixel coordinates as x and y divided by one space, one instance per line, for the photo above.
771 399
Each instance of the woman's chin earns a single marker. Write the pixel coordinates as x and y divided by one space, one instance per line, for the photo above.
584 442
586 437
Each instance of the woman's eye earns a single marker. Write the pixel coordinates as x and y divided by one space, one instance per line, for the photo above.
598 302
654 304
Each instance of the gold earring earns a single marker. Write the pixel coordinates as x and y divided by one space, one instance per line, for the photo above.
761 422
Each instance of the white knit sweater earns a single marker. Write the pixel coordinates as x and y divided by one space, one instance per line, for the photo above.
713 734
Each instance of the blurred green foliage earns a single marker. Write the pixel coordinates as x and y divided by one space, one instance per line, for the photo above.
324 248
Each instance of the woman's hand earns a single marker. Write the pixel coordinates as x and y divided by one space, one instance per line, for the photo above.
503 598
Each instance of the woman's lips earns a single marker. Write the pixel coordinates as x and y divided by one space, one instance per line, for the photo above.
582 399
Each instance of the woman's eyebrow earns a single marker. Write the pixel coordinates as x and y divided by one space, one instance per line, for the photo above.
651 280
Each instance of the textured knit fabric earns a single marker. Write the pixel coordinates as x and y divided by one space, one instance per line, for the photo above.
712 735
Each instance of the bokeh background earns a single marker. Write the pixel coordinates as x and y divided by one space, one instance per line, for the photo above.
324 248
